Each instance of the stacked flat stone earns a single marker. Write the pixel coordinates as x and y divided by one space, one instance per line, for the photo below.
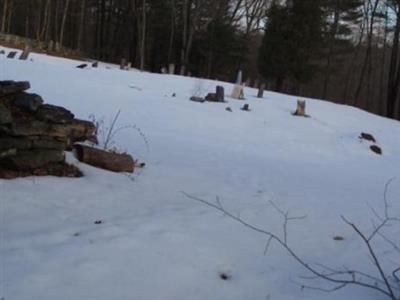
34 135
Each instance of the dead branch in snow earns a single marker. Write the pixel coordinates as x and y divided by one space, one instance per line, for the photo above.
386 282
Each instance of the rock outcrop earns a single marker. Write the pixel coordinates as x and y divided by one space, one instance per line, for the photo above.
34 135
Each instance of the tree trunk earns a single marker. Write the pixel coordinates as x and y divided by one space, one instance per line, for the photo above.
172 35
366 64
393 72
64 19
279 84
330 54
382 92
350 70
4 16
143 37
81 24
184 36
43 25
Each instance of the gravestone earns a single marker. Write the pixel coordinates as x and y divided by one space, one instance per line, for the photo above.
261 91
25 54
301 108
12 54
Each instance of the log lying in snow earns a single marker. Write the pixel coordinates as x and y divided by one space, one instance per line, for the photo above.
103 159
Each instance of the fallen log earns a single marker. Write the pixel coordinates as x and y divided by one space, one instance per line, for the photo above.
103 159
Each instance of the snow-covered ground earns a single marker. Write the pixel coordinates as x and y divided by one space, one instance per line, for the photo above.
155 243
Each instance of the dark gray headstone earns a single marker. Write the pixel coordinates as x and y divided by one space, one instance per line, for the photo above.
220 94
261 91
25 54
11 54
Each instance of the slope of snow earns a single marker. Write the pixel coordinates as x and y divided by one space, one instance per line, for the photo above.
155 243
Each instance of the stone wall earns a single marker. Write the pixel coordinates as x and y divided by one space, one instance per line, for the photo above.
34 135
15 41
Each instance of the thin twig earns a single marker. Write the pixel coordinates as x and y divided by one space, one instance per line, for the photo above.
339 282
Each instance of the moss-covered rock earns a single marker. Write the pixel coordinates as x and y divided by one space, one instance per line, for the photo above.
29 102
31 159
54 114
10 87
5 114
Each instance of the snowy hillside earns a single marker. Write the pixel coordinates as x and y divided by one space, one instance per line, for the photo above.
155 243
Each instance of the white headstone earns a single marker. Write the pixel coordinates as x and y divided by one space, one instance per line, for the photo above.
239 78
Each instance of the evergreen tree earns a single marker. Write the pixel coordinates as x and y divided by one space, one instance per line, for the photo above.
274 53
340 16
291 41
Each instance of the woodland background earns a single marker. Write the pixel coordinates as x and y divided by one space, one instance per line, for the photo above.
345 51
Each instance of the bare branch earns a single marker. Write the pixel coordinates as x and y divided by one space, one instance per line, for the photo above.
267 245
394 273
373 255
339 282
286 217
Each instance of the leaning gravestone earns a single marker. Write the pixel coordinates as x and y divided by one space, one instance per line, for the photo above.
301 109
11 54
25 54
261 91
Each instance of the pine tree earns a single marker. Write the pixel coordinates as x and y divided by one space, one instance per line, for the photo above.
291 41
274 53
340 16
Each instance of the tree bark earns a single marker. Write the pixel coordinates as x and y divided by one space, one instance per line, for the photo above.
64 19
143 37
4 16
367 59
330 53
393 71
81 24
172 35
184 36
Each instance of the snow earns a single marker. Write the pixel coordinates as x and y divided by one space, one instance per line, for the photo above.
155 243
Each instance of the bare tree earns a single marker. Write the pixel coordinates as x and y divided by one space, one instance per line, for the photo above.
371 12
172 35
4 16
254 13
394 70
195 19
143 36
63 21
81 24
